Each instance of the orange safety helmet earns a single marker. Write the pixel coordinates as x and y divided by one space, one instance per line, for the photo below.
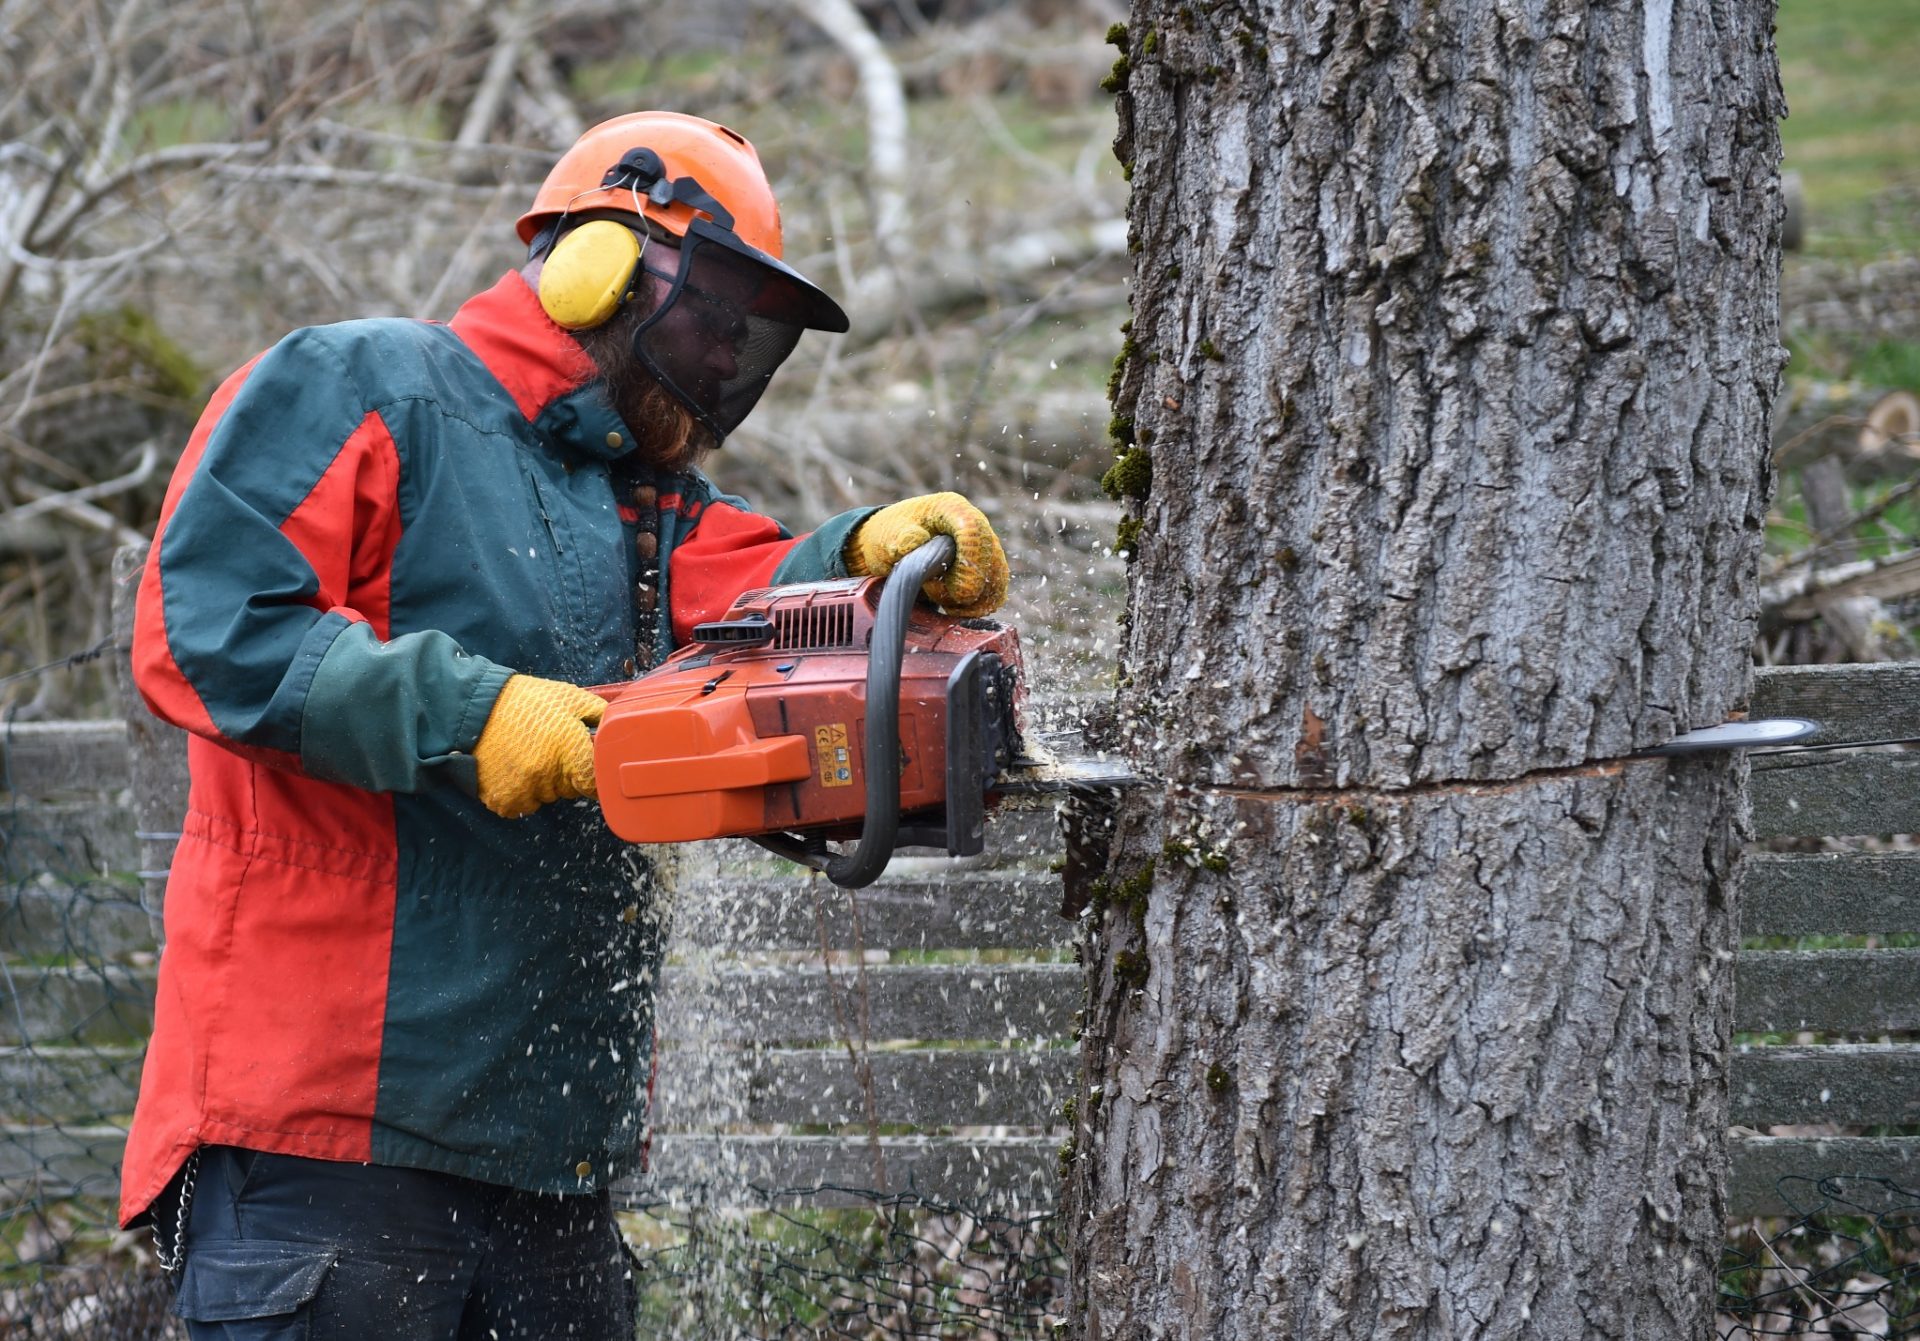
719 159
731 310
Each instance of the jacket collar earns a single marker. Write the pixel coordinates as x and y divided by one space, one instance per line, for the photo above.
541 366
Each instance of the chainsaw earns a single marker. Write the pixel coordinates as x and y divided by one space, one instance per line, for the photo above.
845 711
815 712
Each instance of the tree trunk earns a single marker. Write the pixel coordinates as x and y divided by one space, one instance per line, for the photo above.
1444 412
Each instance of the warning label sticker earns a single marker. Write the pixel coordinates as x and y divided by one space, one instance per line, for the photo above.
836 766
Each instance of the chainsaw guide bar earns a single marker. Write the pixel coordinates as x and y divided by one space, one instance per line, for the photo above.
1044 769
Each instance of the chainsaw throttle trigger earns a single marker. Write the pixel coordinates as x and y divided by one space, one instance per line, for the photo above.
750 631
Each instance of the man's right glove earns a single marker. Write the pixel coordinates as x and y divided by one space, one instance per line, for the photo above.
535 747
975 585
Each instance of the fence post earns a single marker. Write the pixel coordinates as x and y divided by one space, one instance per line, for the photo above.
156 751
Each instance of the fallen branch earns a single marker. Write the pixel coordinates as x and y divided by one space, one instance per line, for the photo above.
940 285
407 183
1872 430
545 104
172 157
1828 541
512 30
1796 597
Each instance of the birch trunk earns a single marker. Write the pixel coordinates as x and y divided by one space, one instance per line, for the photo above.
1445 402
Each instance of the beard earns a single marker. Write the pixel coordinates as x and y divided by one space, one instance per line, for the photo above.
666 436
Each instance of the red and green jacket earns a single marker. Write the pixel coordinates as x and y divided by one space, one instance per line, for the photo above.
372 527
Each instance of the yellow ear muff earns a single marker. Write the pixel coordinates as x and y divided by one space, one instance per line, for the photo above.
589 274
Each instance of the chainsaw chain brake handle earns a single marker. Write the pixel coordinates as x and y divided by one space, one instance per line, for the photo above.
880 830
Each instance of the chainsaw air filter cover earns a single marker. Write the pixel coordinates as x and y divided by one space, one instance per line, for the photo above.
759 726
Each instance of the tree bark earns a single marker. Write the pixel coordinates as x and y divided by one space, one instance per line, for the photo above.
1443 414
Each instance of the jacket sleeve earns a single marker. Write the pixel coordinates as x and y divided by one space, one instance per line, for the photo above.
730 550
262 616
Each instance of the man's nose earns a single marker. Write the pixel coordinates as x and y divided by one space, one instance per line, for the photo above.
721 361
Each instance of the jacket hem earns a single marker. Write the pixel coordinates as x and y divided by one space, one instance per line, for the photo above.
134 1206
400 1149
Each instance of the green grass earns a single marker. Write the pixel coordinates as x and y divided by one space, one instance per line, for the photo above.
1889 363
1875 363
1853 125
180 121
416 121
1895 531
643 78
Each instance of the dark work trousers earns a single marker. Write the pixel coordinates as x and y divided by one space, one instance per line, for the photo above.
287 1249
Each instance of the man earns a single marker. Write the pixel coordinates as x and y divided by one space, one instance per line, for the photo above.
403 1031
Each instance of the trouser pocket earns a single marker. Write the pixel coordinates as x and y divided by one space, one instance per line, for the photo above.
253 1291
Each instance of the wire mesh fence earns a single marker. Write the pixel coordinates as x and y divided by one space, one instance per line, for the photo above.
895 1266
1847 1265
77 962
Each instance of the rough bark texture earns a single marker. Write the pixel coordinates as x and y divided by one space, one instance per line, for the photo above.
1445 403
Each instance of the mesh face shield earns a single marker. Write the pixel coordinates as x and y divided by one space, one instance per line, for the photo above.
728 320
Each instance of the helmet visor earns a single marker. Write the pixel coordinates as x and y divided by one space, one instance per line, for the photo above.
728 320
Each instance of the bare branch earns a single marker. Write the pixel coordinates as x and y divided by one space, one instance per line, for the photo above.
547 105
385 181
1889 578
19 533
540 159
942 284
47 500
511 30
173 156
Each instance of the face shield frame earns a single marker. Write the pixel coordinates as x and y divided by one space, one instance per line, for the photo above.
731 315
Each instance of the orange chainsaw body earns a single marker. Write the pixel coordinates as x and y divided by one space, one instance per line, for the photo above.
759 726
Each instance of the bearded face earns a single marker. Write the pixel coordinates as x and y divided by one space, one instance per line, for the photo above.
665 433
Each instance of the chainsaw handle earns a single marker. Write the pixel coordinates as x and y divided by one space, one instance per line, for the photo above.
885 658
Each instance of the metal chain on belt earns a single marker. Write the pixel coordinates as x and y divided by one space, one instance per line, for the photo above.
646 502
646 591
170 1261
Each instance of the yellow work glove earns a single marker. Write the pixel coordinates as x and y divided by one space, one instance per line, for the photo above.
535 747
974 585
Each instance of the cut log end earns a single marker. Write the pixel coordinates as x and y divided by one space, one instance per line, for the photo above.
1892 427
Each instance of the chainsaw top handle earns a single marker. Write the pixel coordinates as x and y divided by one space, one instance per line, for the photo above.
881 830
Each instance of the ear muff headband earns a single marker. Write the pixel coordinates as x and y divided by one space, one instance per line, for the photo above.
590 273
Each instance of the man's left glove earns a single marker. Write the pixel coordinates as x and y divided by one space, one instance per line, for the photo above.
975 585
535 747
